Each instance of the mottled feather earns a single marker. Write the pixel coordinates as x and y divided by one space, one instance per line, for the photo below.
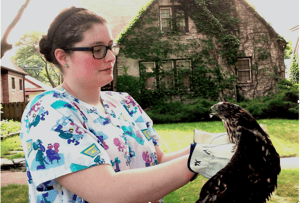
251 175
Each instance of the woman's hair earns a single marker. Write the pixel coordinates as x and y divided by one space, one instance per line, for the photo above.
66 30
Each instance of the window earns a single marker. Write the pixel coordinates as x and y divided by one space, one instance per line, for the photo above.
180 21
21 85
150 81
244 70
13 83
165 19
167 71
173 18
184 67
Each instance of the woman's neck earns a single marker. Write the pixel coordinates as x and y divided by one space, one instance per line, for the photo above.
88 95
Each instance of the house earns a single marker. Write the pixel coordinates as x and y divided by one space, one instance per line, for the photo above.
34 87
212 48
12 82
288 62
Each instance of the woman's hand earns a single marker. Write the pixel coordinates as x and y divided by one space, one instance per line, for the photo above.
207 159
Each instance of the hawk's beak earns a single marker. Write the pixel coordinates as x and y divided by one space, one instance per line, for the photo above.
213 111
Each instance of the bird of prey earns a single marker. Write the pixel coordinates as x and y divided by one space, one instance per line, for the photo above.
251 174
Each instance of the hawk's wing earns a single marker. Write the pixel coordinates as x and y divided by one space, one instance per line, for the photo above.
250 176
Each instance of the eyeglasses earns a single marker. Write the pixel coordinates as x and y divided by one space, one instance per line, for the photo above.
99 51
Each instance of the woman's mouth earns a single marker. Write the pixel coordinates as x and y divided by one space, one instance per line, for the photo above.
107 69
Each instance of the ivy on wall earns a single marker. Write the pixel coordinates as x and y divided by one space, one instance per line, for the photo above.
217 20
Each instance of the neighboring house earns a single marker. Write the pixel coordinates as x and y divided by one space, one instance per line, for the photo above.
288 62
12 82
293 29
34 87
257 61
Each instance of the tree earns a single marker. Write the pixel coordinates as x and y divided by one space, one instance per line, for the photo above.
294 75
29 59
288 51
4 45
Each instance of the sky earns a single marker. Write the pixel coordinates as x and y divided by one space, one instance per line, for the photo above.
281 14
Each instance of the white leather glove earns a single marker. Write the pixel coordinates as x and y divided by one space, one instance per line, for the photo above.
208 159
202 137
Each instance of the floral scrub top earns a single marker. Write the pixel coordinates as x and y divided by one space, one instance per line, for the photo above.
61 134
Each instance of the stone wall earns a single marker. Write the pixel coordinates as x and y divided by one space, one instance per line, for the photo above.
257 39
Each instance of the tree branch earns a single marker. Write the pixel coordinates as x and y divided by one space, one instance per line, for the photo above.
4 44
49 77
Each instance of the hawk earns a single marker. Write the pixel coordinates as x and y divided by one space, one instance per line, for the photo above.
251 174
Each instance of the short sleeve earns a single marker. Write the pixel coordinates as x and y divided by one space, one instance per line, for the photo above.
143 121
56 141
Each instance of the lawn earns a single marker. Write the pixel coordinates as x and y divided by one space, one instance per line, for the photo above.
284 135
14 193
11 148
287 191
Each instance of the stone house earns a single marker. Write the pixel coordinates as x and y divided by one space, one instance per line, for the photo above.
12 82
172 40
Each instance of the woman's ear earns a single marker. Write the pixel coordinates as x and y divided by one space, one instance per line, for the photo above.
60 56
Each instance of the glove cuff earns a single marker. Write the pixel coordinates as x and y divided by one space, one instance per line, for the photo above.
193 145
191 152
198 159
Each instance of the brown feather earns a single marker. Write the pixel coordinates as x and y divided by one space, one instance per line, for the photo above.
251 175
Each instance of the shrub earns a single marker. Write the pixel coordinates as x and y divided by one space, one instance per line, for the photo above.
283 104
129 84
174 112
10 126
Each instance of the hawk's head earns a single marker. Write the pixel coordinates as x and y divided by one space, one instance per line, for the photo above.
224 110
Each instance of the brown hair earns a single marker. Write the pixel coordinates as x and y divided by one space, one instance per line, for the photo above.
66 30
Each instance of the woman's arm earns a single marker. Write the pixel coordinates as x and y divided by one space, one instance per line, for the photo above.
102 184
162 157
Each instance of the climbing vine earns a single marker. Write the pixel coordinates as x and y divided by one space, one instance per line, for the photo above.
218 47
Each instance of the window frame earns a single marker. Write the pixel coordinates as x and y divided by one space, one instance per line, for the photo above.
249 59
174 10
21 85
170 71
174 65
13 84
160 18
154 66
190 68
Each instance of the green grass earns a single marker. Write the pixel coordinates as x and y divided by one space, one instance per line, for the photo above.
10 144
9 126
284 134
287 190
14 193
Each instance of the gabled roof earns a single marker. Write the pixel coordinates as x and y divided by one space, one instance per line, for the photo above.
34 85
10 65
136 19
269 27
148 6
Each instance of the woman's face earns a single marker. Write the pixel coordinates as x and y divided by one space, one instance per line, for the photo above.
83 68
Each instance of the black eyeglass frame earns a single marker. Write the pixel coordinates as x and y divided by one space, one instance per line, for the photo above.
92 49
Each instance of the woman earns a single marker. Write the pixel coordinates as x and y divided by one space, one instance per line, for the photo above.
93 138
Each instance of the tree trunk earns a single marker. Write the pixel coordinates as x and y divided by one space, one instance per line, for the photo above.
49 78
4 44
